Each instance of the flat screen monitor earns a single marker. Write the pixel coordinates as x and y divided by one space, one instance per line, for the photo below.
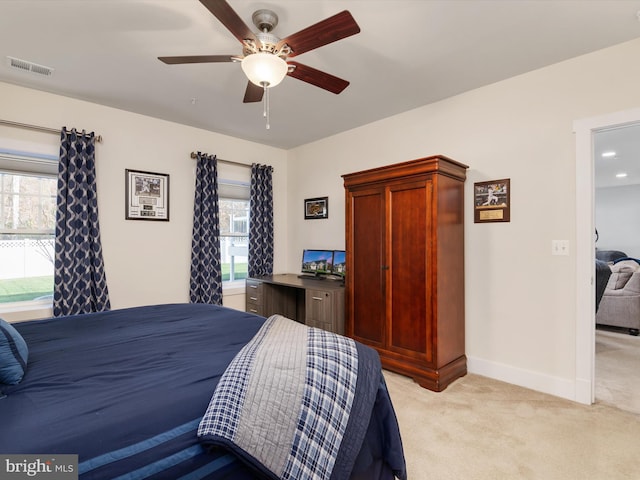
339 266
317 262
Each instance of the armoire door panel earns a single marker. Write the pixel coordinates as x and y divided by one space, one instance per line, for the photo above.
368 276
408 293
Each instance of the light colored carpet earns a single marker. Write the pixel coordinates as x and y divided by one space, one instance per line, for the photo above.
618 371
483 429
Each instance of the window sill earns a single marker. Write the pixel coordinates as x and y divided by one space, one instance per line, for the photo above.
234 288
23 311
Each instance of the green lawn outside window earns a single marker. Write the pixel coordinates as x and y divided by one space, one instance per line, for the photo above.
31 288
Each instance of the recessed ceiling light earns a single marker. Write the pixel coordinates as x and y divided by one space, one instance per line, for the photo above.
609 154
621 175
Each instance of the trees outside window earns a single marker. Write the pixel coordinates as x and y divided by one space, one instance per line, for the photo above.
27 227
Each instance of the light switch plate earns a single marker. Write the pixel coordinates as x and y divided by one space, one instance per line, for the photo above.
559 247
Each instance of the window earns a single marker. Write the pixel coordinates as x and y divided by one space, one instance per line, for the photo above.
27 227
234 229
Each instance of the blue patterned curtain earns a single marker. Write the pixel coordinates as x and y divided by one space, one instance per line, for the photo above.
206 272
80 284
261 221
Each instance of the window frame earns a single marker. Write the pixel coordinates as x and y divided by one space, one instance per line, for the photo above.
37 165
234 190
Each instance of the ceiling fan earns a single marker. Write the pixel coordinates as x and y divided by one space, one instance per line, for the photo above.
265 57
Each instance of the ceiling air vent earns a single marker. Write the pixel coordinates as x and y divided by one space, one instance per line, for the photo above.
26 66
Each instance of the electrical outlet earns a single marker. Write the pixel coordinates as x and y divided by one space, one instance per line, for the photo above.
559 247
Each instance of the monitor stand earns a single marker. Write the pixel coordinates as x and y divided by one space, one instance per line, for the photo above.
314 276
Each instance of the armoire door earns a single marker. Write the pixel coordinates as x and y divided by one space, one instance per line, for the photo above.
409 277
366 271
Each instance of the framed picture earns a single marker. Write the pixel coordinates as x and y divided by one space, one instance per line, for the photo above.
146 195
492 201
316 208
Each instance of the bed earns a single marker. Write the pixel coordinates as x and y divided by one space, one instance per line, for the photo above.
127 390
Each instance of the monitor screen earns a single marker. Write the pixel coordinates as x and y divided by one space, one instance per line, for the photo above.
317 261
339 266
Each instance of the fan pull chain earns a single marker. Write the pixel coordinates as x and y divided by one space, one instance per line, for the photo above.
265 102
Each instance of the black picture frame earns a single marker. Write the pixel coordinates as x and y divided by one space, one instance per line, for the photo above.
146 195
492 201
315 208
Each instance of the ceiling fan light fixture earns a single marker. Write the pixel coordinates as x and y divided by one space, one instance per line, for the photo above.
264 69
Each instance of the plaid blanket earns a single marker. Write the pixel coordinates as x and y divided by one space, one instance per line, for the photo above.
291 403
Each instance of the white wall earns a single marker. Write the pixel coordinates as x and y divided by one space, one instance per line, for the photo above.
617 212
520 300
146 262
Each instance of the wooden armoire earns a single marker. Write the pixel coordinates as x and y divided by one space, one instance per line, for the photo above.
405 267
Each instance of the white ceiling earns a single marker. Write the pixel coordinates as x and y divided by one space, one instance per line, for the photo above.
624 142
409 53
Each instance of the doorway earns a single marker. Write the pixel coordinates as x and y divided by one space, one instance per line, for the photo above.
585 129
617 208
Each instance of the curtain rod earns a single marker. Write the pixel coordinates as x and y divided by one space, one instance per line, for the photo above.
36 127
195 155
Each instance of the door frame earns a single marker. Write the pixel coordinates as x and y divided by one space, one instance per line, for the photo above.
584 130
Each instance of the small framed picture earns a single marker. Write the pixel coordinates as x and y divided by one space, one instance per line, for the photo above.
316 208
146 195
492 201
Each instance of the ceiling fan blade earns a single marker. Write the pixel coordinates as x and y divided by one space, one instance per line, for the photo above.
196 59
329 30
318 78
253 93
230 19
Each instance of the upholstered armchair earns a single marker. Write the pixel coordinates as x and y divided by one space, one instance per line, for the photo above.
609 255
620 304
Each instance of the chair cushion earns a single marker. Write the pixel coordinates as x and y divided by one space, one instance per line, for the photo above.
627 265
619 280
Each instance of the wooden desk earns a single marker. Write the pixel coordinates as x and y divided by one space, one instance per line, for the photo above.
314 302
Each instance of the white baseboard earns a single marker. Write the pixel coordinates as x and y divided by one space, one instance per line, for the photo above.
559 387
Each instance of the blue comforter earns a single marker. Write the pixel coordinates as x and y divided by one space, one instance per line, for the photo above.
126 390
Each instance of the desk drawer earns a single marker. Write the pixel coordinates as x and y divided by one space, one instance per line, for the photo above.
325 309
255 292
255 297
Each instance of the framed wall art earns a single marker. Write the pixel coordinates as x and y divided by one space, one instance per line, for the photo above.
146 195
492 201
316 208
